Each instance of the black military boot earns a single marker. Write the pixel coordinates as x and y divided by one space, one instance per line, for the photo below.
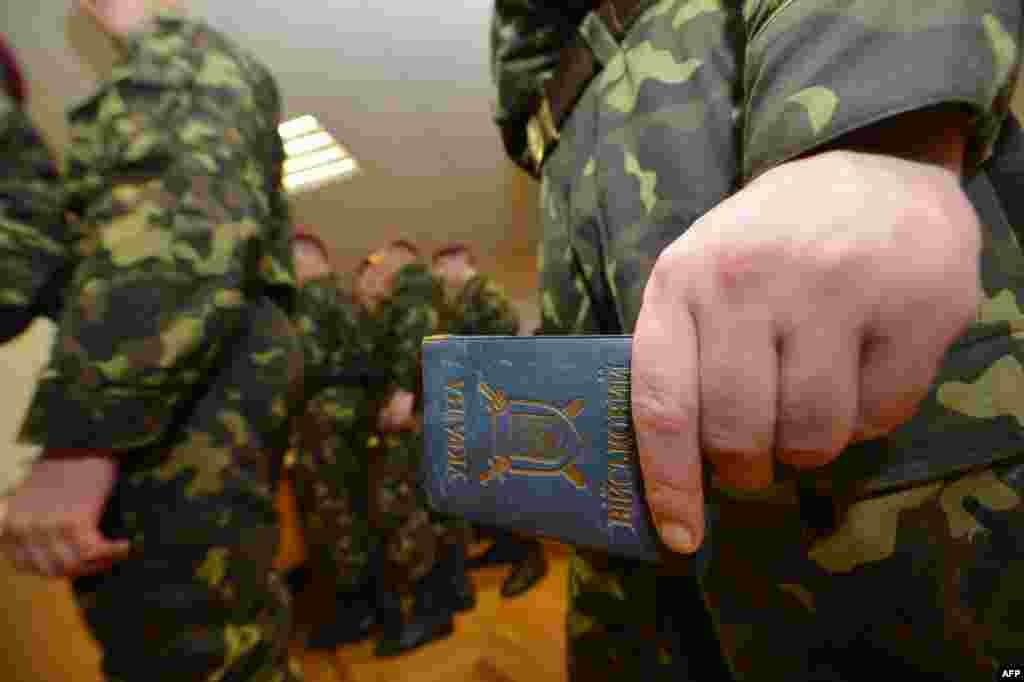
432 615
507 548
355 615
298 578
391 621
463 594
528 571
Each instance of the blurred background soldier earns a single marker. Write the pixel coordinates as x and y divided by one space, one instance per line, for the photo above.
330 463
475 304
405 300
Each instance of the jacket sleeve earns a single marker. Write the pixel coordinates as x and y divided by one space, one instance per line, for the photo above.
526 37
336 339
807 65
314 319
34 237
174 170
411 314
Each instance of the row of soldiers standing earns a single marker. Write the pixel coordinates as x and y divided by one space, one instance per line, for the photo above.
368 529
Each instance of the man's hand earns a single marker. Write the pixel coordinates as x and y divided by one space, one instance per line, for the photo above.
398 413
51 527
120 18
808 310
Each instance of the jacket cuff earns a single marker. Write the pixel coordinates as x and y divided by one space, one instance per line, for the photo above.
65 415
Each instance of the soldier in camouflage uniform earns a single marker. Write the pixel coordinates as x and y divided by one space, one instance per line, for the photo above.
475 304
405 301
167 395
448 297
899 543
330 471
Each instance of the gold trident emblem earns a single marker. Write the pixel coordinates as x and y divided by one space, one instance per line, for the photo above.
532 438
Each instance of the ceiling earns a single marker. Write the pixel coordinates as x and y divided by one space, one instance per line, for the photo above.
405 87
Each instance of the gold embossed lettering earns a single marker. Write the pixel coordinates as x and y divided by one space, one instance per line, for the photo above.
455 430
621 449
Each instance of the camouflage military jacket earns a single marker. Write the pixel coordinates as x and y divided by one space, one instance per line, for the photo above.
481 307
174 177
421 306
412 312
34 237
337 341
700 96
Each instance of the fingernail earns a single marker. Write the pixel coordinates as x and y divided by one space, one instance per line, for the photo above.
678 538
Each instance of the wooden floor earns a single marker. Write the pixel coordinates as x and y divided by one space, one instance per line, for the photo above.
501 640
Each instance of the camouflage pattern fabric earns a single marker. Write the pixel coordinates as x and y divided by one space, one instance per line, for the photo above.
399 511
481 307
412 311
35 240
332 464
398 508
174 169
175 349
34 237
356 488
419 307
700 97
198 599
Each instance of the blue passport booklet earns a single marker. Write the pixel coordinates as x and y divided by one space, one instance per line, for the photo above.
534 434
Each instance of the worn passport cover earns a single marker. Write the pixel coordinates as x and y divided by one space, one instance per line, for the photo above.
534 433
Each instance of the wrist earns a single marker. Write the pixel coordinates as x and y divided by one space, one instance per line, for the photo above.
936 136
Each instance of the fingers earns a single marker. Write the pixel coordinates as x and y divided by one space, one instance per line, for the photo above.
63 550
96 553
18 558
399 412
819 369
29 547
40 561
738 388
894 379
60 549
664 397
899 366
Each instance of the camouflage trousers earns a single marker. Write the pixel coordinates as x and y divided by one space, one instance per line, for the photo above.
925 580
198 599
399 509
331 486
